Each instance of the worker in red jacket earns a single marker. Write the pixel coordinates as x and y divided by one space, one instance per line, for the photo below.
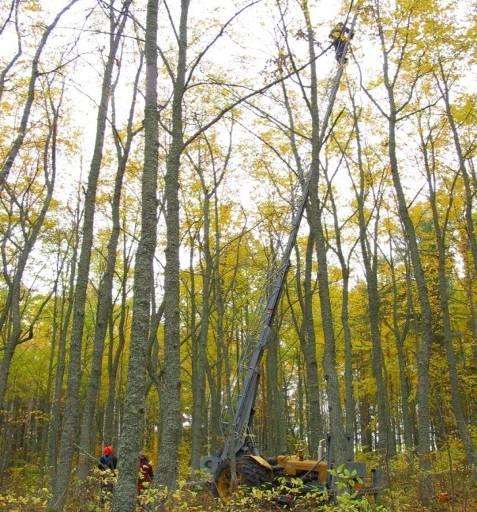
146 474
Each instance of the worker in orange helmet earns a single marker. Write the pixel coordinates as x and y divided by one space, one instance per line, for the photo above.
107 464
108 460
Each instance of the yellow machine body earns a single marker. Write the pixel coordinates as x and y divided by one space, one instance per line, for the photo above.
294 465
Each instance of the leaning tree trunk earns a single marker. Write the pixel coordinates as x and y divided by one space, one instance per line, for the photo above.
105 291
72 401
32 231
18 142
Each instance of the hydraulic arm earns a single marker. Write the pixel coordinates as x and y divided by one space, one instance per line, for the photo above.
241 424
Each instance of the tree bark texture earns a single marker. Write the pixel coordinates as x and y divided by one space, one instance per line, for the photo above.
170 400
72 400
124 498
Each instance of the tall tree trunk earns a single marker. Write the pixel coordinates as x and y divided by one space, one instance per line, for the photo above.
425 339
198 376
370 259
348 360
110 433
443 85
67 301
307 336
308 346
216 397
124 499
275 420
171 423
314 216
440 235
104 306
72 402
400 334
31 231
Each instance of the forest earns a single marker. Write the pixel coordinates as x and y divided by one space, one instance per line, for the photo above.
155 156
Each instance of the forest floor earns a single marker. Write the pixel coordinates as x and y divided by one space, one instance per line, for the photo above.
36 500
25 490
88 498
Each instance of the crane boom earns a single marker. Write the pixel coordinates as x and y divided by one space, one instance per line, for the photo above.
244 411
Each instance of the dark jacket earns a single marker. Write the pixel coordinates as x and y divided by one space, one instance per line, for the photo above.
146 474
107 462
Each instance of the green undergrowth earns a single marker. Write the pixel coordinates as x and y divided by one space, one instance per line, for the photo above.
25 489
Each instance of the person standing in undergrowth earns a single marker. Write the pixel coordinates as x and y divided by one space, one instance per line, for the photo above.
146 473
340 36
107 465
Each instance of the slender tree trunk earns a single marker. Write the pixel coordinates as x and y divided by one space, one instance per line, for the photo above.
400 335
171 423
348 360
216 398
18 142
67 300
440 235
4 73
104 307
115 354
275 420
370 259
425 339
198 377
443 86
32 232
307 336
314 215
72 402
308 346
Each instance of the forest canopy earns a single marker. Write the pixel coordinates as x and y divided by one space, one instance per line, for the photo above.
154 159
